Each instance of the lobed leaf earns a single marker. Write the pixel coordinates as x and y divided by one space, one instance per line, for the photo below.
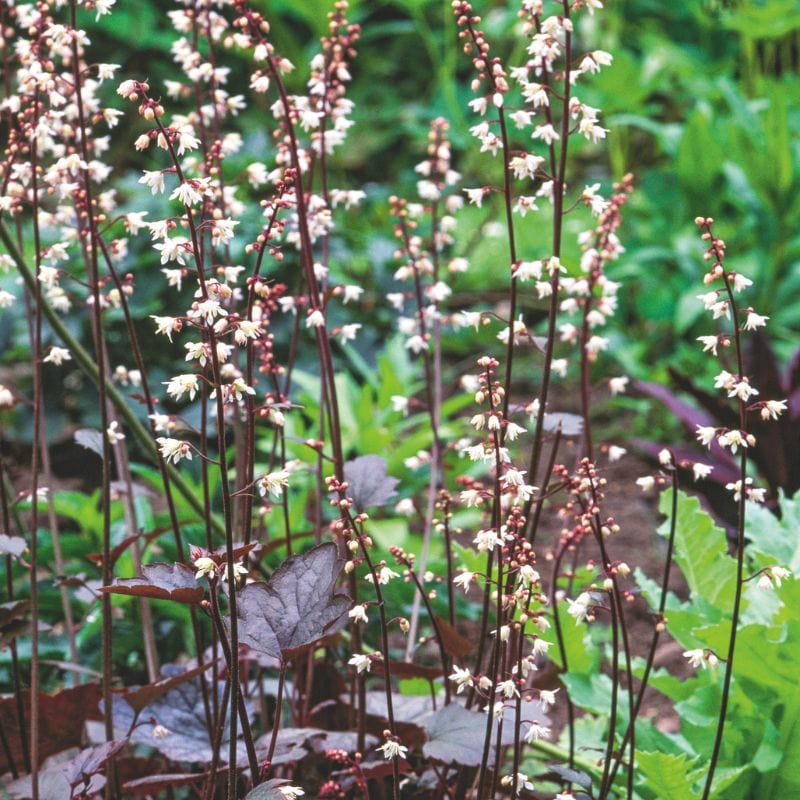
368 482
161 582
296 607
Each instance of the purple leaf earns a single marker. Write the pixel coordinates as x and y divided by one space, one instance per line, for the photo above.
91 439
368 483
269 790
151 784
140 697
296 607
161 582
13 619
456 734
570 424
62 717
90 761
175 723
690 416
53 785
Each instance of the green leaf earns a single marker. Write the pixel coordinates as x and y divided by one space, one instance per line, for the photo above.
582 656
698 162
773 540
701 551
670 777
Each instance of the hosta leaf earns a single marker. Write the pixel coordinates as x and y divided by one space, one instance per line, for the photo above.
369 485
161 582
296 607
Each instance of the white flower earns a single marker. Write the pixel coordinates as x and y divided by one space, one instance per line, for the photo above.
316 319
273 482
187 194
646 483
528 270
618 385
239 571
706 434
696 658
743 390
541 646
358 613
528 575
393 749
399 403
385 575
547 697
181 384
113 433
615 453
174 449
740 282
347 333
464 580
536 731
461 677
486 540
701 470
579 608
754 321
475 196
733 439
772 409
361 661
709 343
547 133
416 344
204 566
351 293
291 792
513 431
779 574
725 380
153 179
58 355
103 7
174 249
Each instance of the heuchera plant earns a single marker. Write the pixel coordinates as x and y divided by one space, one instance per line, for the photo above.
324 657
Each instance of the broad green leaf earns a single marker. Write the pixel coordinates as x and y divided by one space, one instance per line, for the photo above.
772 540
582 656
698 162
670 777
701 551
